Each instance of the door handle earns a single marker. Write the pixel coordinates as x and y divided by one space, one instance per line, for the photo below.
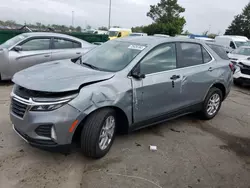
78 53
210 69
46 55
175 77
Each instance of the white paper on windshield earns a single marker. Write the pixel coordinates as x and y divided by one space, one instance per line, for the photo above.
137 47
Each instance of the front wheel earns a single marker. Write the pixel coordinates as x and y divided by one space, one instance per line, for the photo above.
211 104
98 133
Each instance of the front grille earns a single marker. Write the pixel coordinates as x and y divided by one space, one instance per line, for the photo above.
18 108
44 130
245 71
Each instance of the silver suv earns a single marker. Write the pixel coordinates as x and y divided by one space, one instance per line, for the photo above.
122 85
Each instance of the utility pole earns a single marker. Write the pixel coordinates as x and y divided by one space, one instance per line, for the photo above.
109 14
72 18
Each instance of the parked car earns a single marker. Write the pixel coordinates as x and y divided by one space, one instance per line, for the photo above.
241 53
138 34
123 85
28 49
231 42
242 72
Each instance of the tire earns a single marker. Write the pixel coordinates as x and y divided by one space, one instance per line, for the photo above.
237 83
91 133
204 112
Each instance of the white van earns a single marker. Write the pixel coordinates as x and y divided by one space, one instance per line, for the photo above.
231 41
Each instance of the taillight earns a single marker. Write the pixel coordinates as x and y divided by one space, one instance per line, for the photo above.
232 67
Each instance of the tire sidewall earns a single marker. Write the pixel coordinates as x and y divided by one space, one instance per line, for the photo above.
211 92
100 152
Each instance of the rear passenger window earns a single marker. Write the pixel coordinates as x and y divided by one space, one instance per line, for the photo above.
191 54
206 57
65 44
219 50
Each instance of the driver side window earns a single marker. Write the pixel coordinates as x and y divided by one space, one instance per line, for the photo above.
160 59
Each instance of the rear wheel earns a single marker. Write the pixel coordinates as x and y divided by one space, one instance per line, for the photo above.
98 133
211 104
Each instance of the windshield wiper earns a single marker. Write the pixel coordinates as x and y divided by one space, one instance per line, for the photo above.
89 65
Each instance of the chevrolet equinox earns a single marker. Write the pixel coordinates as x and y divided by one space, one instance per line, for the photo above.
123 85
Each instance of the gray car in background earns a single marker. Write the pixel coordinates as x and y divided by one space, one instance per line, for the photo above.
122 85
28 49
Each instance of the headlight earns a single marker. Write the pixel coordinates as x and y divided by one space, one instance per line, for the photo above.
46 107
50 104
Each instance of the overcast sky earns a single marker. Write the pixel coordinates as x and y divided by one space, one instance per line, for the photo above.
200 14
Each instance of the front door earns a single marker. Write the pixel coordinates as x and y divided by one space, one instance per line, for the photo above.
158 93
33 52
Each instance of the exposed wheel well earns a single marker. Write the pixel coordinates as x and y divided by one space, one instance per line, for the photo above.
222 88
121 118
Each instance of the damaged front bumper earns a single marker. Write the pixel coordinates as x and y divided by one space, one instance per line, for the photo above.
48 130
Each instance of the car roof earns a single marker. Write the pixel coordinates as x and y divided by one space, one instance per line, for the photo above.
153 40
51 34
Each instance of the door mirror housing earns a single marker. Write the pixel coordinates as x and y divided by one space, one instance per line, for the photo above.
18 48
135 73
138 76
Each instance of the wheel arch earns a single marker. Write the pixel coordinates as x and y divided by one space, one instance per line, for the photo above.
121 118
220 86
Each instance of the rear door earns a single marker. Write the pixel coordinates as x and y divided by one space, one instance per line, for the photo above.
198 72
158 93
34 51
63 48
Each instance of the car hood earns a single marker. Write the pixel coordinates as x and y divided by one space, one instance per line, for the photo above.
58 76
237 56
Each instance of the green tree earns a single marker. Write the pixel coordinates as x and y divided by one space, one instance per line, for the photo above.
186 33
103 28
10 23
78 29
137 29
88 27
241 23
166 17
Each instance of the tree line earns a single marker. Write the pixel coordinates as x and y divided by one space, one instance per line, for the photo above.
241 23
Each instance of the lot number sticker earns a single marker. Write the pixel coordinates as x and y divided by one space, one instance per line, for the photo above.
136 47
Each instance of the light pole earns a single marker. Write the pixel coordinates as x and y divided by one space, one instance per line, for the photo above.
109 13
72 19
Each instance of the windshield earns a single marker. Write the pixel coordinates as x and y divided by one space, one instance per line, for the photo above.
239 44
113 33
112 56
242 51
9 43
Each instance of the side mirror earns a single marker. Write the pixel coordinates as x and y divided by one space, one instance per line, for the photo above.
138 76
18 48
135 73
119 34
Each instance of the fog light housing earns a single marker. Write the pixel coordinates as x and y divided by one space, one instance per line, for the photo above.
53 133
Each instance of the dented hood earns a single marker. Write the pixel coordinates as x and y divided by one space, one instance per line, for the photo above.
58 76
